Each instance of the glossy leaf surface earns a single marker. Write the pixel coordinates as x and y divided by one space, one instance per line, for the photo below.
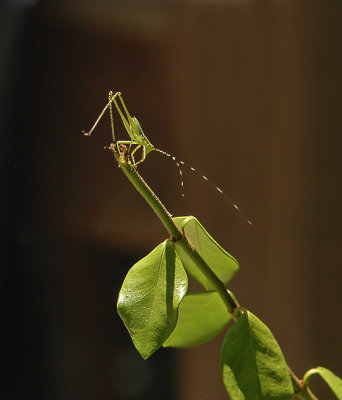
222 263
201 317
334 382
149 298
252 363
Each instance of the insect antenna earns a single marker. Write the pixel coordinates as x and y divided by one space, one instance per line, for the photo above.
182 163
178 166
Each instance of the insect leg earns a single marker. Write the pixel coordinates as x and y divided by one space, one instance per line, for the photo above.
128 123
143 155
99 117
124 142
110 97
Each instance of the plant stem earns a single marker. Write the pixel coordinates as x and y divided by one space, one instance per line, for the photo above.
301 390
122 157
209 274
177 235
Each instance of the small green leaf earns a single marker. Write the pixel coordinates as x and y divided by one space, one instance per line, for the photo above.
201 317
149 298
252 363
334 382
222 263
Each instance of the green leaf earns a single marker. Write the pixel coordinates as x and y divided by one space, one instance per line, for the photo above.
252 363
222 263
201 317
334 382
149 298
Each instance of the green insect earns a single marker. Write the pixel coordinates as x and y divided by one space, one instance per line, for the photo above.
132 126
140 141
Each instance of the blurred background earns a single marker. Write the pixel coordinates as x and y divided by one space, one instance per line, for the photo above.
249 93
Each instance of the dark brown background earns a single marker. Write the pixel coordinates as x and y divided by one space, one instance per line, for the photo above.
248 92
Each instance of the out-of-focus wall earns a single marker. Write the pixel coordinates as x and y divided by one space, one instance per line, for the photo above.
249 75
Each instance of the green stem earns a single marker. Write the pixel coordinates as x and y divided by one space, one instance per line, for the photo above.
122 157
209 274
177 235
147 193
299 387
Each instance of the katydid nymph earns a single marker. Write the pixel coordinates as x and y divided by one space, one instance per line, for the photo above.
131 125
140 141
